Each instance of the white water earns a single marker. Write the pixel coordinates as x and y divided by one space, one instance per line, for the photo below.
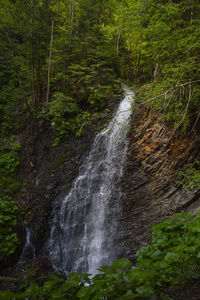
29 250
83 233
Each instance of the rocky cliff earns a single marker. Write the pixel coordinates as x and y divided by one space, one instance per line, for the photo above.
156 155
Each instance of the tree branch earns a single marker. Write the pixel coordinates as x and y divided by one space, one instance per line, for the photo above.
171 89
194 124
10 279
191 47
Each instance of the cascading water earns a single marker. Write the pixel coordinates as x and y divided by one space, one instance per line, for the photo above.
29 250
82 236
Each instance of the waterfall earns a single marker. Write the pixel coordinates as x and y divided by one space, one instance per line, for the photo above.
29 250
84 230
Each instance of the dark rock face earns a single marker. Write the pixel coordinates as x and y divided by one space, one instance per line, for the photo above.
151 193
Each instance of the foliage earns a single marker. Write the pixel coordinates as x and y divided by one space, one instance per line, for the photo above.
191 177
174 253
158 43
171 43
8 222
62 110
98 96
82 60
177 104
9 162
67 118
172 259
92 44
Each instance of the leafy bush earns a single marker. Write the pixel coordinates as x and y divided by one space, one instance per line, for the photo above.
8 222
174 255
172 259
83 120
8 165
191 177
62 105
62 111
66 117
98 96
9 162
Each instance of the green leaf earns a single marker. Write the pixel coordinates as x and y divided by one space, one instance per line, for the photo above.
171 257
85 292
145 291
130 295
139 275
122 263
164 297
7 295
105 269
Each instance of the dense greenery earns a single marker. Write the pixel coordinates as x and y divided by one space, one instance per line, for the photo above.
172 258
8 222
8 186
191 178
75 50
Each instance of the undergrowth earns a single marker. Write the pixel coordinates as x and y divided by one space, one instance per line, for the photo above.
172 259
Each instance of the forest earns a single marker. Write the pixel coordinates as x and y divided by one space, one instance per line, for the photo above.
62 60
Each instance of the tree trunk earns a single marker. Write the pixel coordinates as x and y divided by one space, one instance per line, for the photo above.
71 19
156 69
138 64
49 66
32 85
10 279
118 38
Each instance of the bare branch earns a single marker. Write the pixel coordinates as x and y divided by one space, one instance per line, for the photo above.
194 124
186 109
191 47
171 89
